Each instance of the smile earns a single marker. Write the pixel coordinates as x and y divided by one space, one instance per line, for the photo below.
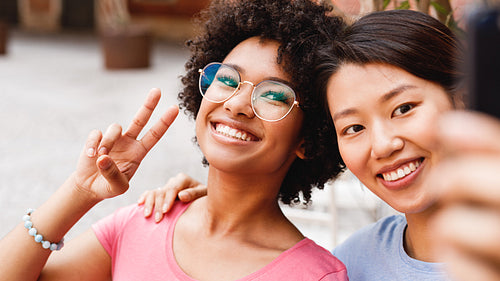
402 171
232 132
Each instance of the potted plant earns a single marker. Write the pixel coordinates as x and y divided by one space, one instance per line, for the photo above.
124 44
40 15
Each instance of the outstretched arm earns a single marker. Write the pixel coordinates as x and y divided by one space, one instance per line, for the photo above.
467 225
161 200
105 166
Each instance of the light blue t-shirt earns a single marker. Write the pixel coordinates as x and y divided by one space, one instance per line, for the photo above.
376 252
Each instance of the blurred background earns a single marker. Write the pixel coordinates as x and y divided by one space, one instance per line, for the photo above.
67 67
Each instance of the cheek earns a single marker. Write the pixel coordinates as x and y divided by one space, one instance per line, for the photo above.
422 132
353 157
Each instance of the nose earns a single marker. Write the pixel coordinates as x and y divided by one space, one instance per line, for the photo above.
385 141
240 103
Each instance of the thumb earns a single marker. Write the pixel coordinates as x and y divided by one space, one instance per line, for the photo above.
117 181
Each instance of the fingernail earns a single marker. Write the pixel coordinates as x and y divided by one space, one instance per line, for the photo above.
104 164
157 217
103 151
147 212
164 208
183 196
91 152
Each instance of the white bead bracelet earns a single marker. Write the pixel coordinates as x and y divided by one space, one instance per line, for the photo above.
28 224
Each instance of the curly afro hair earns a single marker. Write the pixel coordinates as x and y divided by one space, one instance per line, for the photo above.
300 27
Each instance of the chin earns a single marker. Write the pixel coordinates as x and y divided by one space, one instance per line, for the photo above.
413 207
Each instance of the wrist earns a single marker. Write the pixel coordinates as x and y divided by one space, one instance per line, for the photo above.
79 193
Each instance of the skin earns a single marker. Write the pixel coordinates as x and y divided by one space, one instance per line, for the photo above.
238 169
383 127
240 211
104 168
466 225
452 204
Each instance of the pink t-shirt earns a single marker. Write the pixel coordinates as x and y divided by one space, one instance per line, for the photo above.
141 249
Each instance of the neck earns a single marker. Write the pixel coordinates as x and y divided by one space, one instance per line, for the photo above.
418 238
239 203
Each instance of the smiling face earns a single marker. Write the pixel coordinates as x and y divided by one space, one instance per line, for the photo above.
231 137
382 115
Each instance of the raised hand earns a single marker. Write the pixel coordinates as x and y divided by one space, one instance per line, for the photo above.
467 224
109 161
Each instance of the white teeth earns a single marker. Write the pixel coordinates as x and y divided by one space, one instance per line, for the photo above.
231 132
412 167
401 172
407 171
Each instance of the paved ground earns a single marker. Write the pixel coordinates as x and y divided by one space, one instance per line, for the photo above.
54 90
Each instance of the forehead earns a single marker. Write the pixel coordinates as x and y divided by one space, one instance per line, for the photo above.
355 86
353 81
255 55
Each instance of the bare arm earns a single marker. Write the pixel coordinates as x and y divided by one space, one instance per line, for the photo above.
104 168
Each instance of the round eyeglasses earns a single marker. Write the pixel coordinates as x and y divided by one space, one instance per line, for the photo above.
271 100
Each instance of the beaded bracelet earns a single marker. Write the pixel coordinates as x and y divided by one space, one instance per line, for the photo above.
28 224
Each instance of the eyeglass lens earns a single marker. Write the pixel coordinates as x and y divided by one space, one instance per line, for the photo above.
271 100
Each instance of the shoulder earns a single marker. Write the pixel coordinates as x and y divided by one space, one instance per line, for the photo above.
384 227
384 233
132 216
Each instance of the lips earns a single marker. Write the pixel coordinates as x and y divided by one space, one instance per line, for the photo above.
402 171
234 133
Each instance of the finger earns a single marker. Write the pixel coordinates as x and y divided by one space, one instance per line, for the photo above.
159 198
92 142
471 230
463 267
143 114
113 132
470 178
172 188
461 131
191 194
142 198
116 179
159 128
149 203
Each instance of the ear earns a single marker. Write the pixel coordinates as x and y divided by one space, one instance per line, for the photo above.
301 150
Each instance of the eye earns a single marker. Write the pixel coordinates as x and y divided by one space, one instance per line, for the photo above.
353 129
271 96
228 81
403 109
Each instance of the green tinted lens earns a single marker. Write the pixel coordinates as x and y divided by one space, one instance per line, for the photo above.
272 100
218 82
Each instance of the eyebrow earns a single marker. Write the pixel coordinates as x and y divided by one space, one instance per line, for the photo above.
388 96
273 78
395 92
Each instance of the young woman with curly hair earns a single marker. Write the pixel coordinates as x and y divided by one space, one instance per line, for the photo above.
260 130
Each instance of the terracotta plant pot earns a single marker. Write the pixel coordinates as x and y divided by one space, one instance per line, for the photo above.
129 47
4 36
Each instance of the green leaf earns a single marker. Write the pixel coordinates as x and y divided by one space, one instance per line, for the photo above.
386 3
440 9
405 5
